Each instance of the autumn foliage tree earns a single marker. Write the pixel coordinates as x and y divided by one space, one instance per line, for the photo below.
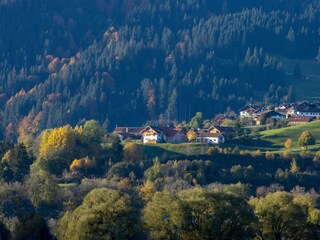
191 135
82 165
58 148
147 191
28 129
306 139
288 143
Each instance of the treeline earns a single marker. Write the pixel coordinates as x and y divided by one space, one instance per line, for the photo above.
83 178
111 60
120 211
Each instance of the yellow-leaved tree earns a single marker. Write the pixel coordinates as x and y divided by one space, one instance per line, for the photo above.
82 165
58 148
147 191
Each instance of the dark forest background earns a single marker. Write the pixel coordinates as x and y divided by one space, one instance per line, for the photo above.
127 62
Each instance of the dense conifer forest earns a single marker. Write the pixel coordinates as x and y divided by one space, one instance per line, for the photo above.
130 61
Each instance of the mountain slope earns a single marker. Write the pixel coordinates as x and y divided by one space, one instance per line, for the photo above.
127 62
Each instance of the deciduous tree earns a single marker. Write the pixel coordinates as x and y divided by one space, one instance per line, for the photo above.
306 139
40 185
104 214
288 143
280 217
216 215
132 152
164 216
58 148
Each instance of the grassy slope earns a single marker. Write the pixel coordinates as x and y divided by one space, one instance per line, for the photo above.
275 138
307 89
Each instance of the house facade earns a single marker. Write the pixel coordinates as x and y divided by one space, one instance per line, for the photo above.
227 132
286 110
151 134
297 120
306 109
249 111
210 138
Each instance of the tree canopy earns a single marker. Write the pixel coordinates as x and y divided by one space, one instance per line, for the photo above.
104 214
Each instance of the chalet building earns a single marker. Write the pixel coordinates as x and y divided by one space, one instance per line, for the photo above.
268 114
306 109
128 133
286 110
151 134
211 138
296 120
228 132
249 111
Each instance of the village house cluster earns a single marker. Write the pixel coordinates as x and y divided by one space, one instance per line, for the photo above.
153 134
293 114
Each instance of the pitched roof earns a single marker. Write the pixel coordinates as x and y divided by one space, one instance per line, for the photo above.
269 113
222 129
130 130
282 111
247 107
168 131
308 107
300 119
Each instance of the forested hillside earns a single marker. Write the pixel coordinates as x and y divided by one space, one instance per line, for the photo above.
131 61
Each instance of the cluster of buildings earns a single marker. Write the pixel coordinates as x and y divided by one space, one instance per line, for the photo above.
294 114
153 134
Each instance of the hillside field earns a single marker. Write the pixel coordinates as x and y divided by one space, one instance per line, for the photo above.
274 139
269 140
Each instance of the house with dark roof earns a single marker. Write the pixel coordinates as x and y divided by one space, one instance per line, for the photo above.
296 120
306 109
226 131
249 111
266 115
128 132
152 134
287 110
210 138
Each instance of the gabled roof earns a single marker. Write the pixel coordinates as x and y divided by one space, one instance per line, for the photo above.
130 130
167 131
156 129
222 129
300 119
270 113
308 107
248 107
282 111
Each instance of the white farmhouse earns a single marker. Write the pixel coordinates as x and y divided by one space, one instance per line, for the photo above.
213 138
